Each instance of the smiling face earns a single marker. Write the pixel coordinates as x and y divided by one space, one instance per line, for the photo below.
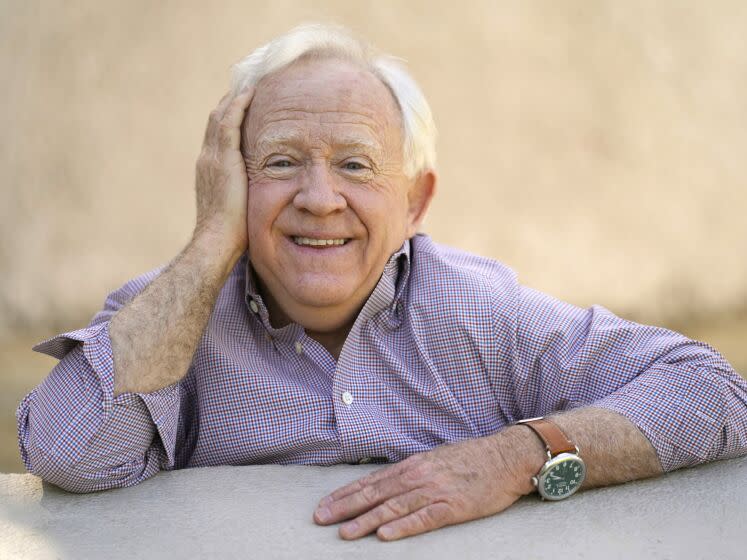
328 199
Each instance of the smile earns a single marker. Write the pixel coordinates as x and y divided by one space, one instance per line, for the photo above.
318 242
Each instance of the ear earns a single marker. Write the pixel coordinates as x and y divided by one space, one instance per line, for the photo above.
419 199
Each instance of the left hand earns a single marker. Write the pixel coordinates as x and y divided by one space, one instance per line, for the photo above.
445 486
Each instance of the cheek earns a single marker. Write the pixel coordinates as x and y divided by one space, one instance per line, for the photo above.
265 201
383 211
261 215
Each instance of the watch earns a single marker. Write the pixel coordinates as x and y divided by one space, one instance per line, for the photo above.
564 470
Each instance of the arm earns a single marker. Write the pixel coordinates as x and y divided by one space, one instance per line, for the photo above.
613 448
91 424
681 394
156 335
636 400
476 478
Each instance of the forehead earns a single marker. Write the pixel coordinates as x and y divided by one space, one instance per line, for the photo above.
331 98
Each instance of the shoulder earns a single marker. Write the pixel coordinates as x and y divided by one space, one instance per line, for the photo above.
442 267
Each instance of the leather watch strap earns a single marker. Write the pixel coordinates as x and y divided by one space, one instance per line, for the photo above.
554 438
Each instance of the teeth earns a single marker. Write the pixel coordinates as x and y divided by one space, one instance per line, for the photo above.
317 242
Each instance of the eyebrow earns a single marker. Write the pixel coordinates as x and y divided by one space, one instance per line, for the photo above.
293 140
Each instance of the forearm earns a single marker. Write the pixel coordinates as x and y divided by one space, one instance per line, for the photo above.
154 337
612 448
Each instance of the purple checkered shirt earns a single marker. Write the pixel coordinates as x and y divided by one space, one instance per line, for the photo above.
447 347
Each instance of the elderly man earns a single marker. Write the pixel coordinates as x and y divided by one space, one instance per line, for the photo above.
307 322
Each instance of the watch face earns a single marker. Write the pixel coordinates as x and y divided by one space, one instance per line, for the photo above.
561 476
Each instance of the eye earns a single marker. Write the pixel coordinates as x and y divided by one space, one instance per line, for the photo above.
354 165
280 163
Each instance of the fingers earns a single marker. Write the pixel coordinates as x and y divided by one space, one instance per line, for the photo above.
367 496
372 478
234 113
391 510
229 131
223 128
426 519
215 117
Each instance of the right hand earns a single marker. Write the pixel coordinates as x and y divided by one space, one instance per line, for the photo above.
221 181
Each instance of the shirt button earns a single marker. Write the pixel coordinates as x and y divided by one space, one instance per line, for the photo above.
347 398
364 461
299 348
253 306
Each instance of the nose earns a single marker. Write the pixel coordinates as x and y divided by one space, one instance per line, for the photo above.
318 192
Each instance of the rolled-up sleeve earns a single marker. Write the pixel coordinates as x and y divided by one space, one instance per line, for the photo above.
74 433
682 394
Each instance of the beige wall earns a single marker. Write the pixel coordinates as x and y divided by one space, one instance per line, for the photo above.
596 146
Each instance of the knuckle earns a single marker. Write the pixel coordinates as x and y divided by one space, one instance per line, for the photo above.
367 480
392 509
352 488
369 493
428 517
441 514
422 470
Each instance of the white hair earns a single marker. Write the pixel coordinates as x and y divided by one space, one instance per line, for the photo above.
419 134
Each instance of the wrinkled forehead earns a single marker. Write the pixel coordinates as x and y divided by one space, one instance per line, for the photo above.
327 98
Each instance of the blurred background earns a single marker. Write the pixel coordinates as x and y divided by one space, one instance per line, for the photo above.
598 148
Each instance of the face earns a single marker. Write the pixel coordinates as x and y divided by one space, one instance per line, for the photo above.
328 200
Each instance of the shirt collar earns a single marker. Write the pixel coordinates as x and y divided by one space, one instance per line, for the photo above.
387 293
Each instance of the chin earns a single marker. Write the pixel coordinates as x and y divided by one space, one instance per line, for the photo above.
321 294
321 307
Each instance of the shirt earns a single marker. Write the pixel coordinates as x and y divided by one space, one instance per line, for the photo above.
449 346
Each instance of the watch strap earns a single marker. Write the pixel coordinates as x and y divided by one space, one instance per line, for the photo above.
554 438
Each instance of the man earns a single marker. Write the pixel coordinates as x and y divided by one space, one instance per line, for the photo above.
307 323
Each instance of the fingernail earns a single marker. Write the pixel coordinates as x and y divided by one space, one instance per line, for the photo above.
323 514
386 532
325 501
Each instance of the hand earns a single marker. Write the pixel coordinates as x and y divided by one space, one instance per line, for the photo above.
448 485
222 182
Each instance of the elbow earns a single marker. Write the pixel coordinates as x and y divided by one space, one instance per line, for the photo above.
86 475
78 451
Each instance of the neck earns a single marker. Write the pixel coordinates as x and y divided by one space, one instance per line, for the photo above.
332 339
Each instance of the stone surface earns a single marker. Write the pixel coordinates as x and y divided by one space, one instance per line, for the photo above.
265 512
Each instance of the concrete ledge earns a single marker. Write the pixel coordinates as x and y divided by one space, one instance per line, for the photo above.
265 512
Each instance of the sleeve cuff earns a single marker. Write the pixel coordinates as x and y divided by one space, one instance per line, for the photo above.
680 410
162 405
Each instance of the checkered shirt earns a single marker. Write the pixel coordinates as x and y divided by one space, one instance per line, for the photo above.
447 347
